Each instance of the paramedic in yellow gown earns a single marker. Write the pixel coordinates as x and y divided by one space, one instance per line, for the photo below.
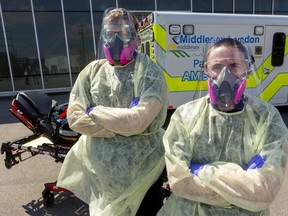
119 105
226 152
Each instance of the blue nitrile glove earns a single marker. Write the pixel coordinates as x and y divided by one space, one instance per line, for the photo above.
256 162
89 110
134 102
195 168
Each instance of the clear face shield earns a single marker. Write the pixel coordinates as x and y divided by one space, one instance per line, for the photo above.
118 39
227 65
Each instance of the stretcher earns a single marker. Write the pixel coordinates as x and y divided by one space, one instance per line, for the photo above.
51 134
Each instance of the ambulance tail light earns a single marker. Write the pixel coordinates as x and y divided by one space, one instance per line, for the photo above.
141 25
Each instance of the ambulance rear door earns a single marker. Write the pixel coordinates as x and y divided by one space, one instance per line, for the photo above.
274 86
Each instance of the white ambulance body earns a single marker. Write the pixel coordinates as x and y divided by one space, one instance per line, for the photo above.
178 41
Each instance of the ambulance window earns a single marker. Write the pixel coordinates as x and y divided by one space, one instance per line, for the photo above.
142 48
278 49
188 29
147 48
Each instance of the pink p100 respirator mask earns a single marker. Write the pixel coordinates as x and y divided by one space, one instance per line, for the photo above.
119 43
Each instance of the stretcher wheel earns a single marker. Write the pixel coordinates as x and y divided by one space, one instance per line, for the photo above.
48 197
8 164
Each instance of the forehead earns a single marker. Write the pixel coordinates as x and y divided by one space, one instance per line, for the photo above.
117 22
225 52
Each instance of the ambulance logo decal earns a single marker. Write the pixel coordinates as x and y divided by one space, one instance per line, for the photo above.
178 53
176 39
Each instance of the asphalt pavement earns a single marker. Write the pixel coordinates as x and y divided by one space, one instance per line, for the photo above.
21 186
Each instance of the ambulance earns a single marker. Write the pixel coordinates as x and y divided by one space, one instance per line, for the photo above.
178 41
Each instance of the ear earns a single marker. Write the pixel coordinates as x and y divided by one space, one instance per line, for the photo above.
205 69
138 39
135 42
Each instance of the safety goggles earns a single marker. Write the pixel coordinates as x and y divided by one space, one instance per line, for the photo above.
123 32
239 67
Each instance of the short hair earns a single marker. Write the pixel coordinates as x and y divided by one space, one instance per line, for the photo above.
228 42
121 13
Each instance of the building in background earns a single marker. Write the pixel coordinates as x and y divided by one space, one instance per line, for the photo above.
45 44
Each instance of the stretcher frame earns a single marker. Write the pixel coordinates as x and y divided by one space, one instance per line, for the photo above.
43 141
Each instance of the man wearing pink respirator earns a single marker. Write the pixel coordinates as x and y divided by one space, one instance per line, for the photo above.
226 153
119 105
